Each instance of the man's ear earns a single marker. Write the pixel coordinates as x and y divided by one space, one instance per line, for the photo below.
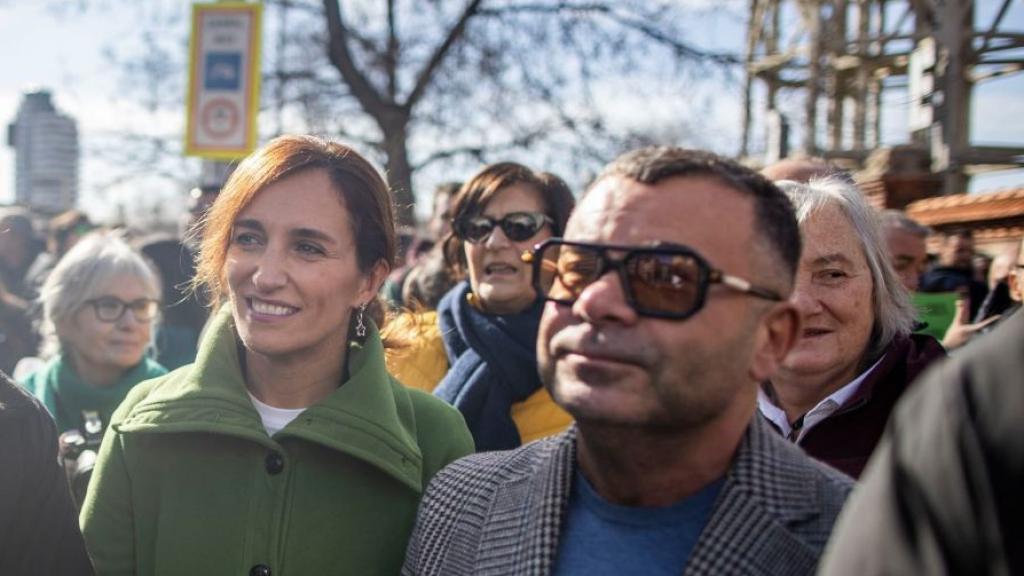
776 335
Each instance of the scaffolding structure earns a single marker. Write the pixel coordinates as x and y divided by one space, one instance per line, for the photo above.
842 54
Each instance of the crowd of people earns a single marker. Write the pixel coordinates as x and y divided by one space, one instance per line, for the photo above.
687 367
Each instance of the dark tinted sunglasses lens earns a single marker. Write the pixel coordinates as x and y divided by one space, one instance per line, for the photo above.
474 229
575 268
545 269
664 283
519 227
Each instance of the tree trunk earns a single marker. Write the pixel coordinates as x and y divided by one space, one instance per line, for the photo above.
399 170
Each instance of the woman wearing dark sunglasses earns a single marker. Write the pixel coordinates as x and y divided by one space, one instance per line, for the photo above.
99 307
478 351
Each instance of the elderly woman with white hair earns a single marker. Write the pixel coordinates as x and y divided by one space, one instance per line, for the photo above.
856 353
100 304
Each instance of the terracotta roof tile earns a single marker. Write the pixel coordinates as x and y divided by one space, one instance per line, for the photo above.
962 208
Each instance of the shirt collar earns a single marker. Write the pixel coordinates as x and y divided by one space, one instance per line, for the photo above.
826 407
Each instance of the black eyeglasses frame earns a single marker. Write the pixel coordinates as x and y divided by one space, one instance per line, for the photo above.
125 306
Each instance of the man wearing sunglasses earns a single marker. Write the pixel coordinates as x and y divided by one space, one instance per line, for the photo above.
666 307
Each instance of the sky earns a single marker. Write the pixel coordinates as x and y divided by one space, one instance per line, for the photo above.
65 54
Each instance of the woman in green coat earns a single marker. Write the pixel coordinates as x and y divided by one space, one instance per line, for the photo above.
286 448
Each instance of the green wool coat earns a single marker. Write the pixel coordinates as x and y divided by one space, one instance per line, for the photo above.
188 482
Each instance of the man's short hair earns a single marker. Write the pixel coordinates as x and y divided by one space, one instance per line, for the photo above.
900 221
774 218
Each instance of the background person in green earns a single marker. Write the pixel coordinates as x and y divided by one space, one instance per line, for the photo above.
286 448
100 303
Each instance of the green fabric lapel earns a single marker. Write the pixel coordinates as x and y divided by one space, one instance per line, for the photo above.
369 417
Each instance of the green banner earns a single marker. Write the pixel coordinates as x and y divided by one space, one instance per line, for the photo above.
937 310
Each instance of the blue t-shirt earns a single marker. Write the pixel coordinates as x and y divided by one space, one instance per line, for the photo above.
604 538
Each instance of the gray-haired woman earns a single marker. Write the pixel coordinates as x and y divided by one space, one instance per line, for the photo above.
856 353
99 307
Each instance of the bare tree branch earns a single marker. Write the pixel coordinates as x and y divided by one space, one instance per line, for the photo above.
341 57
446 83
391 55
681 48
478 152
640 25
427 73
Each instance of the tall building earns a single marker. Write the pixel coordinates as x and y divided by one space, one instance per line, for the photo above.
45 144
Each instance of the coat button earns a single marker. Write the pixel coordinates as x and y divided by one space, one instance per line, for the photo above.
274 463
260 570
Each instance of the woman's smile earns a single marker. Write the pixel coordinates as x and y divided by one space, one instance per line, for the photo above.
270 309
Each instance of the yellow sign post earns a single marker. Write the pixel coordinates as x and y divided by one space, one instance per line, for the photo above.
224 80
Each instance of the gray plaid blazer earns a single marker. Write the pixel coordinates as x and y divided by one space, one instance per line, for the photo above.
499 513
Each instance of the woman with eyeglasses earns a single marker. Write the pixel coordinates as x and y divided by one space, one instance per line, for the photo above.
100 304
286 448
478 351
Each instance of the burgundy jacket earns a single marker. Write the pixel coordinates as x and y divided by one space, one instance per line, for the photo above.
846 438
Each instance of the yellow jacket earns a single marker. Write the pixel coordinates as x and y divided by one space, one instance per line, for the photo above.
422 363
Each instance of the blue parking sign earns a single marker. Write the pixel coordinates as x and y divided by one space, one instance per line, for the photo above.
223 71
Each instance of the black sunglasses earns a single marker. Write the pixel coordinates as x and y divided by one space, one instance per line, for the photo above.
517 226
658 281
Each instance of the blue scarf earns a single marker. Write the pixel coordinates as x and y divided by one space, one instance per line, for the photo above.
493 365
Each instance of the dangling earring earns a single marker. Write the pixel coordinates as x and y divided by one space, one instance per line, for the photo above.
360 327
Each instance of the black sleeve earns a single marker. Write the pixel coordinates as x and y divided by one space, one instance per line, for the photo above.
39 531
942 492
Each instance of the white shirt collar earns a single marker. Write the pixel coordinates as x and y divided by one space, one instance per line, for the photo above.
822 410
274 419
